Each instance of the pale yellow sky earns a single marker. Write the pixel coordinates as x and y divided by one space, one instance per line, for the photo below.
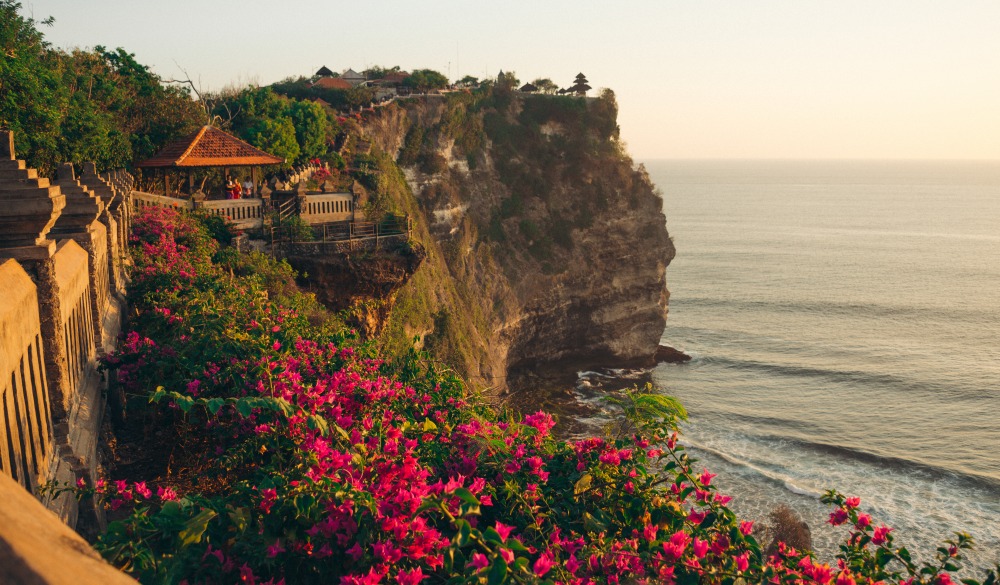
694 78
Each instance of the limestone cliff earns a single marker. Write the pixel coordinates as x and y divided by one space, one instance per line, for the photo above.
547 248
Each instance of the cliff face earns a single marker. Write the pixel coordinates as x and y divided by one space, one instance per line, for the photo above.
547 249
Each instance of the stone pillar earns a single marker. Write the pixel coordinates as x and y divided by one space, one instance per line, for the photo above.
29 207
114 222
265 200
80 221
301 194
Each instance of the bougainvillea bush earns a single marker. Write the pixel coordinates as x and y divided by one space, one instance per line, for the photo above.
328 464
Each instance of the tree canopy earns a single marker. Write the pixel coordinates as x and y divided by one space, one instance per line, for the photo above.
94 105
422 80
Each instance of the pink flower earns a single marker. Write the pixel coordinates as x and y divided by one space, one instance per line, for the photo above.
356 552
507 554
864 520
674 548
246 574
742 561
166 494
479 561
411 577
844 578
881 534
275 549
838 517
700 547
706 478
746 527
276 346
852 503
503 530
544 563
143 490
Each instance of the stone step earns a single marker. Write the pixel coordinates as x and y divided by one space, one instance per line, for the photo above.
25 192
25 184
7 164
17 174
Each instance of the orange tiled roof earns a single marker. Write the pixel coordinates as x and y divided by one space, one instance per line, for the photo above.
210 147
333 83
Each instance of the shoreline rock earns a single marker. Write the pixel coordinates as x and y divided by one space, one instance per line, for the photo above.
670 355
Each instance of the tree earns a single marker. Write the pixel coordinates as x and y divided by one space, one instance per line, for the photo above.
545 85
96 105
276 136
378 72
30 96
468 81
507 81
423 80
311 127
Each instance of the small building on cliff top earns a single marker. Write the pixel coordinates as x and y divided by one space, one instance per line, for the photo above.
207 148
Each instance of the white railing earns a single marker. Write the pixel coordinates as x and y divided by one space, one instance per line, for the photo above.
327 207
142 200
245 213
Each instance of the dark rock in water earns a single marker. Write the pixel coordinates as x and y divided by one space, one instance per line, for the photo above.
665 353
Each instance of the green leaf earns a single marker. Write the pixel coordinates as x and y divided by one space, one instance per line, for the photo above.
582 484
244 407
214 405
318 423
464 530
430 426
466 496
592 524
196 527
491 535
904 554
158 395
184 402
498 572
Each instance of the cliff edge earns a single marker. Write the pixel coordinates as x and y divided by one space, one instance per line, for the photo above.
547 247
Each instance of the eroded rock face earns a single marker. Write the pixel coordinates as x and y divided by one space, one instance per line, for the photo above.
365 282
555 243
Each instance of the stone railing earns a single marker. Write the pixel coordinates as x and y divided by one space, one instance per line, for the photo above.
326 207
244 213
140 200
25 419
63 269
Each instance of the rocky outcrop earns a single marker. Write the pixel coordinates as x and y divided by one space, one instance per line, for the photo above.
364 283
547 246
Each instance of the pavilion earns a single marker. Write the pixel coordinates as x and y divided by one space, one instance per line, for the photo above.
207 148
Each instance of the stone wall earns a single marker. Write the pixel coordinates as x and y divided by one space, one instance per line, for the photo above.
63 270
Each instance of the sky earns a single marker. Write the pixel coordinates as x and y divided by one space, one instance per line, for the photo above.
813 79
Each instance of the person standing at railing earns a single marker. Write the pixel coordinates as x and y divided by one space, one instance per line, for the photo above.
248 188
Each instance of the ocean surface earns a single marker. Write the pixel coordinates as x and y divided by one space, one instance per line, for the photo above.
844 319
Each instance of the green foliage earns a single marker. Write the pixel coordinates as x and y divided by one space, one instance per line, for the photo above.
78 106
218 227
311 126
412 145
276 136
433 163
423 80
296 229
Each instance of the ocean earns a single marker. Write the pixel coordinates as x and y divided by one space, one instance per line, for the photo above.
844 319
